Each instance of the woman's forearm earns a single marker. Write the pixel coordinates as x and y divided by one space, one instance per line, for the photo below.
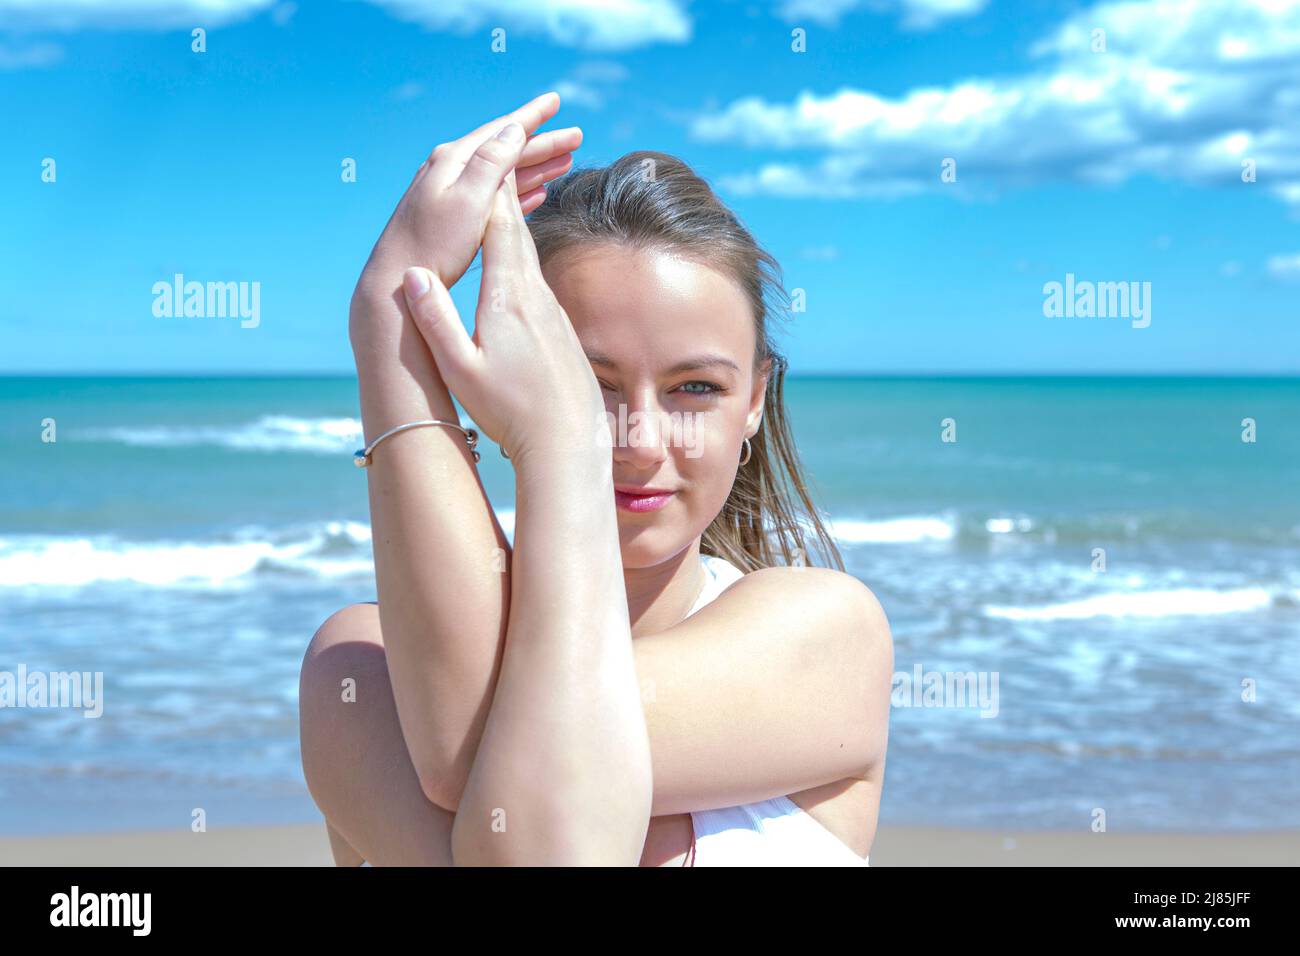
441 562
562 772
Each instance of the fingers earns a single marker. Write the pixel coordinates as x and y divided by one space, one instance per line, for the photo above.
508 252
532 199
455 154
547 156
491 164
550 144
530 116
528 178
516 212
435 315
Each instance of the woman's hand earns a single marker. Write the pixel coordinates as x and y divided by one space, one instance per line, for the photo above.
440 219
523 376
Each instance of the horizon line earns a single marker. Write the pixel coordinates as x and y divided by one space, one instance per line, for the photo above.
210 374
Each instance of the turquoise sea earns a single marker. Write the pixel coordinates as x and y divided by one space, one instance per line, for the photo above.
185 537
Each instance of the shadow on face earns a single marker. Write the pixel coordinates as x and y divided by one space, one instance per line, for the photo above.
671 342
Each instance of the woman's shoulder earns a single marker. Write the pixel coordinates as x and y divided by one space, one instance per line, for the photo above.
795 572
805 587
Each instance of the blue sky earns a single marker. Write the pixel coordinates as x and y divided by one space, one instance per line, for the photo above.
1115 165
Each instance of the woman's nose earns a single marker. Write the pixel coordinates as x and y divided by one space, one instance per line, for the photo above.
637 431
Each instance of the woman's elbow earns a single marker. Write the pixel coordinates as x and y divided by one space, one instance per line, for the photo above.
442 784
873 670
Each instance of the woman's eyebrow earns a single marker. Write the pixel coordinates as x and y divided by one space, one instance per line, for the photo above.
687 365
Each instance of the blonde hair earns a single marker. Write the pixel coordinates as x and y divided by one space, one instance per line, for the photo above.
652 200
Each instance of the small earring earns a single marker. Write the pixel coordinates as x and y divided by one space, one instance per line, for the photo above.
749 451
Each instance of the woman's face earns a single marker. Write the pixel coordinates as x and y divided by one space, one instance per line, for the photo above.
644 316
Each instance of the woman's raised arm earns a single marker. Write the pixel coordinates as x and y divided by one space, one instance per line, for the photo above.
441 560
561 774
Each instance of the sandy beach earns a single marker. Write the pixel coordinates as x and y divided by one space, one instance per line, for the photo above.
898 846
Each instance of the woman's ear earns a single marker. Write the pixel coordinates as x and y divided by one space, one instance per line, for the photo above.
757 397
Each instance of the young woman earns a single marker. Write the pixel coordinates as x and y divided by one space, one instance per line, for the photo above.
655 679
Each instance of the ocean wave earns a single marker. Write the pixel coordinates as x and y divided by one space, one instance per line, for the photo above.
326 550
268 433
321 550
1008 525
923 529
926 529
904 530
1180 602
978 528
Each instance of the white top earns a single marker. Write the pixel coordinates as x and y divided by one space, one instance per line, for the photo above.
775 832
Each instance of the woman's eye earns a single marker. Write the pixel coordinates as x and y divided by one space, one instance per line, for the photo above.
709 388
706 389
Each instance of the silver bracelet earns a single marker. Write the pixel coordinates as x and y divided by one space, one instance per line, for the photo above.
361 457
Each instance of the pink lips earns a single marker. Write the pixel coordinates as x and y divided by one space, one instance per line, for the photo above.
640 503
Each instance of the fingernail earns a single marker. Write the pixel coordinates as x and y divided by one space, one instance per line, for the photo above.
511 133
416 283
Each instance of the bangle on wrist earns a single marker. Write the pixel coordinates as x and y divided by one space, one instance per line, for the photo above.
362 456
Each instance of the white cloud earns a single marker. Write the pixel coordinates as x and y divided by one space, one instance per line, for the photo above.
68 15
1185 33
573 93
601 71
1169 98
589 24
283 13
29 57
914 14
410 90
1285 267
820 253
591 83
